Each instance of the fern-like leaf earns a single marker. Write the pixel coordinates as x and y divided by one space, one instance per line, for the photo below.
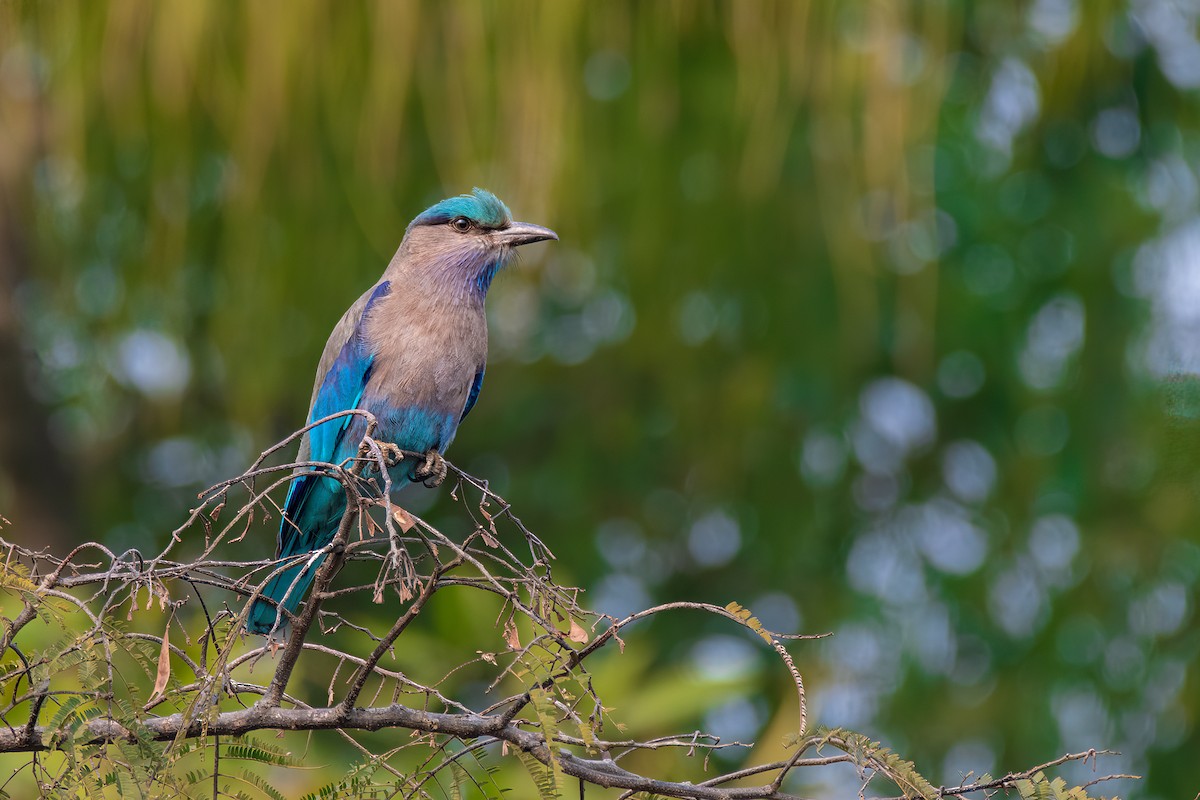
547 715
543 776
260 752
750 621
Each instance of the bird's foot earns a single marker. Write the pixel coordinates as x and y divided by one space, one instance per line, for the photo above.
433 471
392 454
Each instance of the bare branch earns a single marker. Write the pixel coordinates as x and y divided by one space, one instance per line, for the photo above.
88 684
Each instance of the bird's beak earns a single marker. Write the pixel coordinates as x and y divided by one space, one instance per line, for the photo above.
519 233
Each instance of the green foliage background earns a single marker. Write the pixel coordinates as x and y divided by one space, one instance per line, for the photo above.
879 318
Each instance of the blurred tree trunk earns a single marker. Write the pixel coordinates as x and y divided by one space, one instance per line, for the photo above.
39 484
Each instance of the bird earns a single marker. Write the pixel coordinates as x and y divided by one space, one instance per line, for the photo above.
412 351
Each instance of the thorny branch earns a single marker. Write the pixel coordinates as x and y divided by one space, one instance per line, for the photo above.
77 691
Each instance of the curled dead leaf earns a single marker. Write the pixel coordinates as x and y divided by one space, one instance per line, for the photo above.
164 664
404 519
488 539
510 635
577 634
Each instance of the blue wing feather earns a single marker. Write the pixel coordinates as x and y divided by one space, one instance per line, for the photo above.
343 387
315 503
341 390
476 386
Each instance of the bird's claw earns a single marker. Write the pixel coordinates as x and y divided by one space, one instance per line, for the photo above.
433 471
392 454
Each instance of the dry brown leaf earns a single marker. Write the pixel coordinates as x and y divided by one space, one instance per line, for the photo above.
488 539
577 633
403 519
510 635
164 664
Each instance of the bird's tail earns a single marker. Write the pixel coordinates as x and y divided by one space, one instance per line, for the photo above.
286 590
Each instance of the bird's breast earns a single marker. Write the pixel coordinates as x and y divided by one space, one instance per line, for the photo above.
424 362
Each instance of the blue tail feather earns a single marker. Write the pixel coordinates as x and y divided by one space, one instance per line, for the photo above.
287 589
311 515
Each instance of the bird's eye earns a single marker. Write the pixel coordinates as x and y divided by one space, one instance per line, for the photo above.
461 224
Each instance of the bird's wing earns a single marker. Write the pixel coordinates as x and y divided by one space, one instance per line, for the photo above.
342 331
476 386
340 389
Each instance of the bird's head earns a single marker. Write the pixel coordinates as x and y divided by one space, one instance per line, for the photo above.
465 240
